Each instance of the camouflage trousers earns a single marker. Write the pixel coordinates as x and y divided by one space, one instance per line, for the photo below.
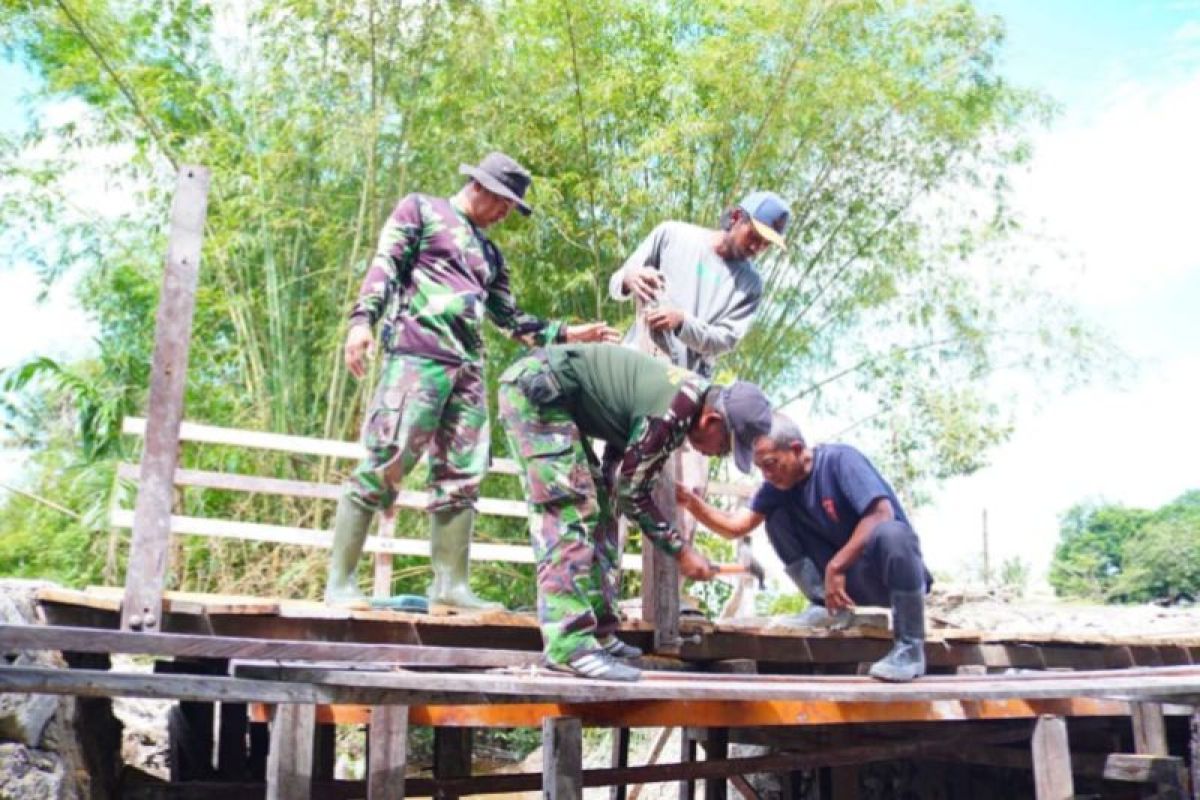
423 406
571 518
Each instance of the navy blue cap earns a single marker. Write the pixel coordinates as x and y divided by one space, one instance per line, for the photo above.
747 415
770 214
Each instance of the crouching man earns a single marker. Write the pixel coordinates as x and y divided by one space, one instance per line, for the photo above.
552 403
841 533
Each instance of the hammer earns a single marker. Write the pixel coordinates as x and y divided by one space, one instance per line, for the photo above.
746 564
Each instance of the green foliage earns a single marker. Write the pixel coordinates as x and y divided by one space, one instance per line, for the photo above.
315 116
1118 554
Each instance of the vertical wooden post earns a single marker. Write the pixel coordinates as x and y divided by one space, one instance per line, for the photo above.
452 754
1194 742
232 753
687 755
383 561
562 758
844 782
716 746
324 751
1052 777
620 760
145 575
660 574
1149 729
290 760
387 748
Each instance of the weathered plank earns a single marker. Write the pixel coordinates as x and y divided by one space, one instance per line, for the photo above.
562 759
290 760
1149 729
1168 771
620 758
1051 753
387 746
147 567
88 640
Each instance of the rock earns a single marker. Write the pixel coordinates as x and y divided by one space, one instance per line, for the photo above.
23 717
27 774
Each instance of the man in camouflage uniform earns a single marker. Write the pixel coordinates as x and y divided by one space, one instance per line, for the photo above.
434 277
551 402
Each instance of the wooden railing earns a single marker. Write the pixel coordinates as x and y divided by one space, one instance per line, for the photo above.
384 545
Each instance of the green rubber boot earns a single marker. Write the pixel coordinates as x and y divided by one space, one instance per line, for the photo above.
449 544
349 532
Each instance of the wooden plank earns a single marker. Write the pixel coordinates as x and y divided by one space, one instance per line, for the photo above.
1167 771
687 755
145 574
387 745
1051 753
620 758
324 752
330 448
1149 729
562 759
452 751
89 640
290 760
660 575
308 537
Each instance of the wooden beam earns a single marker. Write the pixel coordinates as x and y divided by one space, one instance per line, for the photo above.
660 574
452 752
91 640
1167 771
382 583
145 575
716 748
309 537
687 755
1052 760
1149 729
1194 751
562 759
232 747
387 746
290 760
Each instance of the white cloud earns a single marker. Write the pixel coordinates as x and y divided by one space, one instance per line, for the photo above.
1118 191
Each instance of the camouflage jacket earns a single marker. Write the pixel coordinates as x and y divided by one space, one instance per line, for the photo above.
433 279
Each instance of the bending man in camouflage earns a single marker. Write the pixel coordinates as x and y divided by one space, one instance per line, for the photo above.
434 277
551 402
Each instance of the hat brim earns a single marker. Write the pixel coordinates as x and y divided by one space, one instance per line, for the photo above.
494 186
743 455
770 234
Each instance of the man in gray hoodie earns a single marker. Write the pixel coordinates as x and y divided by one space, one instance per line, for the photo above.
699 284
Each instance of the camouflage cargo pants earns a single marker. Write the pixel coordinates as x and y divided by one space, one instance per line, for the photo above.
571 520
424 406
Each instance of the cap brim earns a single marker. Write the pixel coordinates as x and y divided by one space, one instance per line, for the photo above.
767 232
743 455
494 186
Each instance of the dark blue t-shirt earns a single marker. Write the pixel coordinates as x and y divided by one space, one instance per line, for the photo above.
824 508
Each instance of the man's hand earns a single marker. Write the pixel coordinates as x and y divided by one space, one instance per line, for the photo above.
695 566
592 332
686 498
644 283
836 597
664 319
360 348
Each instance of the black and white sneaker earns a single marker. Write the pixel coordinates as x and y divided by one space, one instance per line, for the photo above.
619 649
600 665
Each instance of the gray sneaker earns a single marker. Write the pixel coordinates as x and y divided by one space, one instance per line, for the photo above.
599 665
619 649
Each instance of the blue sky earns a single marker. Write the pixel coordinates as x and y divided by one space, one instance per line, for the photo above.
1112 185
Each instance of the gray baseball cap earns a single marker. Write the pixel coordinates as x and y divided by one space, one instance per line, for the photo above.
747 415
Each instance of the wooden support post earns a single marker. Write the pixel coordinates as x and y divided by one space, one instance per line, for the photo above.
716 746
620 760
260 745
660 574
387 748
145 574
290 760
324 751
1052 777
1194 742
1149 729
562 758
452 754
383 560
687 755
232 753
843 782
